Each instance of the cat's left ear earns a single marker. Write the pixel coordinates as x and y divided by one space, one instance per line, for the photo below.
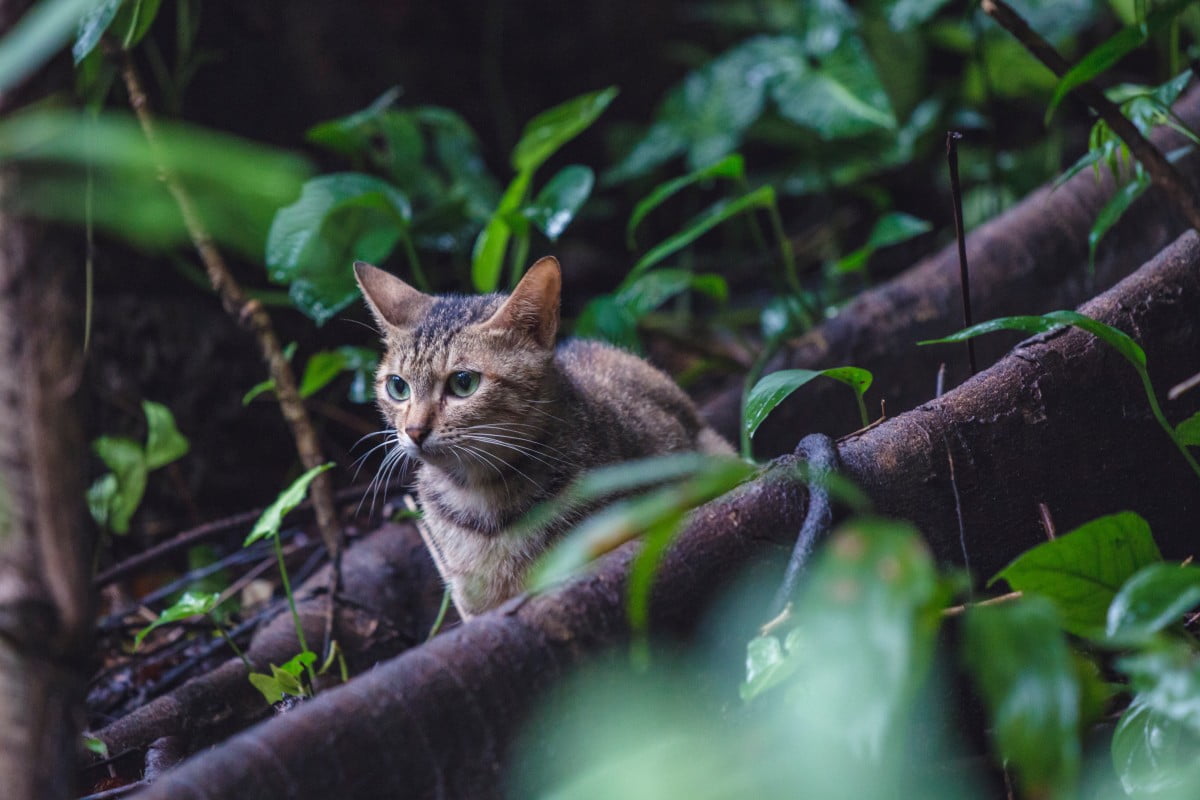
532 308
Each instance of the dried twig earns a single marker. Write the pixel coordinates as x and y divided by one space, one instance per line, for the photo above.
1162 172
247 312
964 278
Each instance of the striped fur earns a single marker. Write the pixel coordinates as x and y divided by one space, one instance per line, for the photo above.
540 416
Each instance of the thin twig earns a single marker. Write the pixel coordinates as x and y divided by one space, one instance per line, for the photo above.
964 280
1047 521
247 312
954 611
1162 172
1180 388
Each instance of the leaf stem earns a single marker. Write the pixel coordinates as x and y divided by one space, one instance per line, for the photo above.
964 277
287 590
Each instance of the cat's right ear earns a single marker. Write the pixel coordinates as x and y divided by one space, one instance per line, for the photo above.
392 301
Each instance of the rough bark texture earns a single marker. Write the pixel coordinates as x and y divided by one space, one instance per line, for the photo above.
1061 420
44 591
1029 260
390 598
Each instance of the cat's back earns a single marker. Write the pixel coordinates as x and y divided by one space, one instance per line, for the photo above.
629 408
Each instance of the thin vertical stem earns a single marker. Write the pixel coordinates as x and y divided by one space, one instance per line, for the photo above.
952 138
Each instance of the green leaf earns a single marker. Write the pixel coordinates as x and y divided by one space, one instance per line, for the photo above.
189 604
707 477
560 200
164 442
1108 53
1019 659
842 98
873 597
285 679
773 389
1112 211
547 132
904 15
262 387
721 211
767 666
1188 431
892 228
609 320
487 259
268 524
117 499
1156 597
297 663
1082 571
361 362
654 288
94 745
321 368
92 25
1167 679
1155 755
133 21
732 167
338 219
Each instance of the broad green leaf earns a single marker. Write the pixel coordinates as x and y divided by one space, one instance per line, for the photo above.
164 442
547 132
1108 53
773 389
235 186
903 15
892 228
1167 679
1156 597
627 519
721 211
872 597
1155 755
1019 659
189 604
560 200
1188 431
321 368
339 219
351 133
487 259
285 679
732 167
1112 211
654 288
37 36
118 499
767 665
92 25
268 524
296 664
609 320
1082 571
841 98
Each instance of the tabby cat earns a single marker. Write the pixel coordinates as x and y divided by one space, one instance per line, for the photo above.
500 419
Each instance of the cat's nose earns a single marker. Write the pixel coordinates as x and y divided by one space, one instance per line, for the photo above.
417 433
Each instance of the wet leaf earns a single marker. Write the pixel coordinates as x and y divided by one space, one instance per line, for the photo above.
268 524
1156 597
189 604
547 132
560 200
773 389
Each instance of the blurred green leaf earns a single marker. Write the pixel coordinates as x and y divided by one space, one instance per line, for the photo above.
773 389
164 442
268 524
1108 216
94 745
262 387
654 288
339 219
235 186
1082 571
547 132
1156 597
37 36
767 663
487 259
321 368
133 21
188 605
719 212
732 167
903 15
1188 431
1105 55
114 500
1019 659
560 200
1167 679
892 228
92 25
841 98
1154 755
609 320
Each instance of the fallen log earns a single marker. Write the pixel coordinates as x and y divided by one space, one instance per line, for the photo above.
1061 420
1031 259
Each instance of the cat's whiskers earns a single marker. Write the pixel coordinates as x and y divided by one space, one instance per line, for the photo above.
525 451
392 460
481 456
485 453
360 462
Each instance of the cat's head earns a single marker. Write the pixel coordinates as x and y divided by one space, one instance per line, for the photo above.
463 377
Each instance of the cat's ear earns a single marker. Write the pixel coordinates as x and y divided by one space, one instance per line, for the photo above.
391 300
532 308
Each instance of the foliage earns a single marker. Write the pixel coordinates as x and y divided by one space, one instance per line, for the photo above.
285 679
189 604
115 496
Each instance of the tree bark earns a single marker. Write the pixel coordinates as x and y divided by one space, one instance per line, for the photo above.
1061 420
1029 260
44 586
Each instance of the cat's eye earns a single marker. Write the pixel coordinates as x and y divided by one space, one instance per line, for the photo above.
398 388
463 383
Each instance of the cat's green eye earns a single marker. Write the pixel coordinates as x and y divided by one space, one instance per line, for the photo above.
463 383
398 388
